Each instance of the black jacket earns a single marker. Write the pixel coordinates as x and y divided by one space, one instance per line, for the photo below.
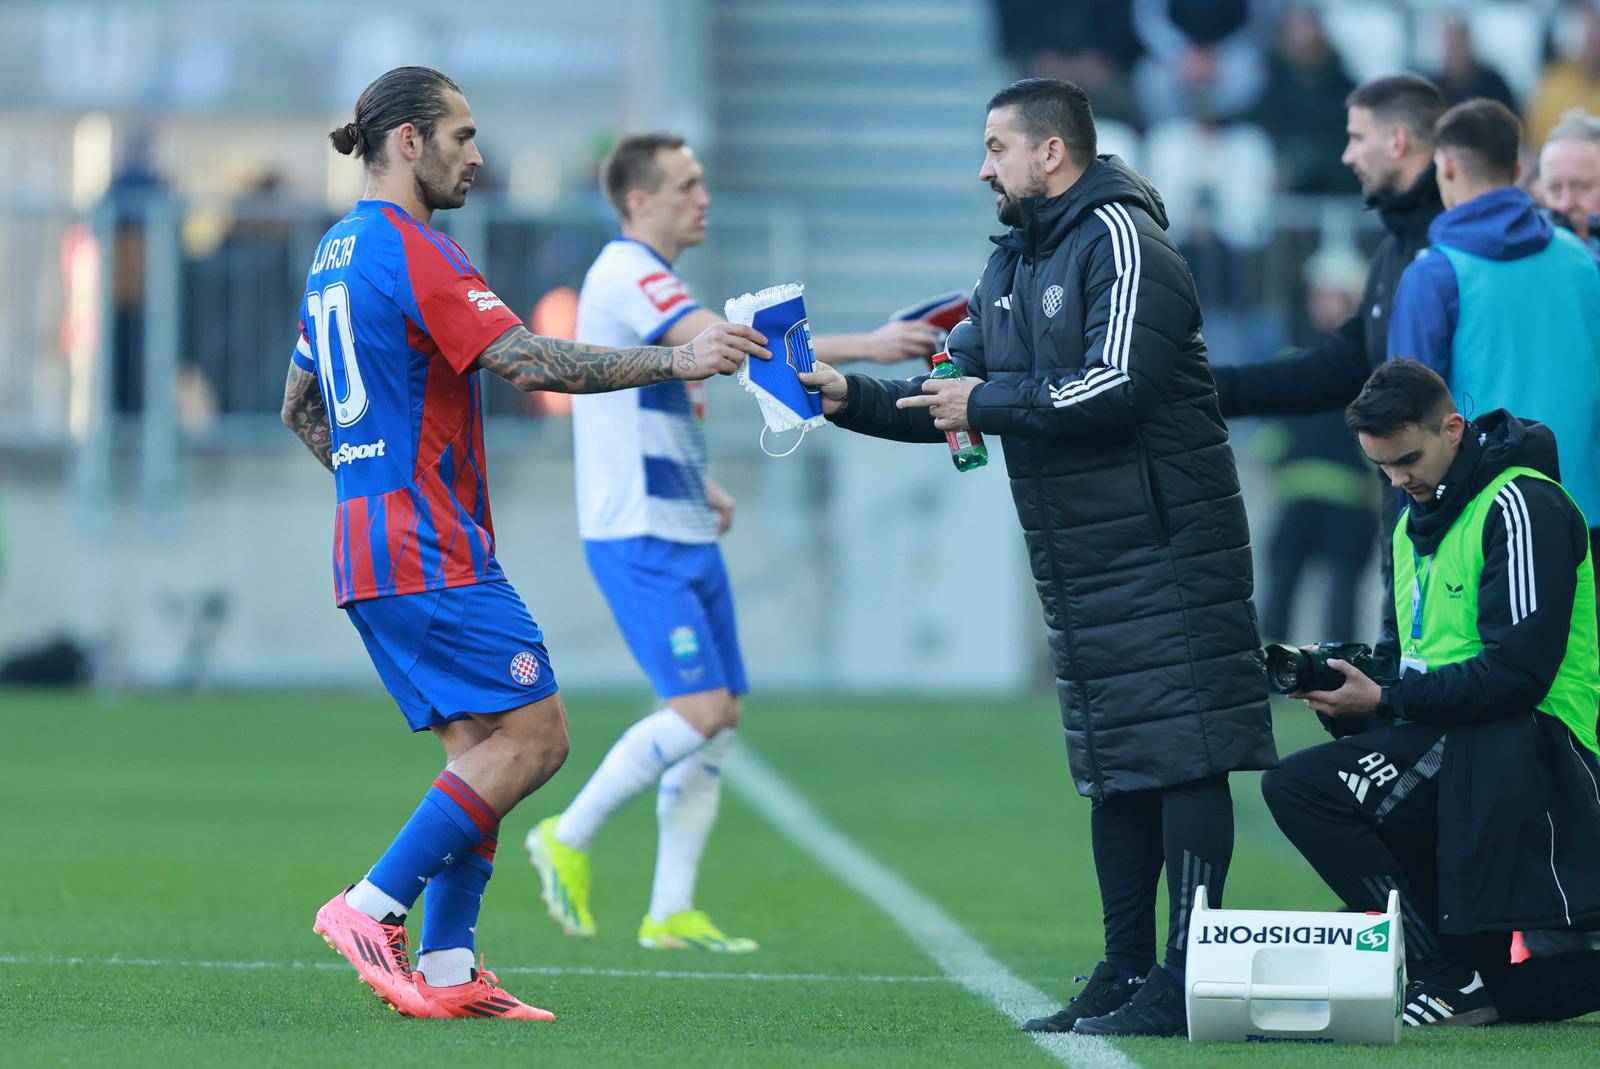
1327 376
1085 329
1519 797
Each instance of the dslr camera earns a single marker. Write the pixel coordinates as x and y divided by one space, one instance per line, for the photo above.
1291 669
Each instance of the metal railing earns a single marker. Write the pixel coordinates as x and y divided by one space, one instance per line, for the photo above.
131 334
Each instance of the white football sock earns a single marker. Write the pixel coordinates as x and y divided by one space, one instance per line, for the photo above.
366 897
686 808
638 759
446 968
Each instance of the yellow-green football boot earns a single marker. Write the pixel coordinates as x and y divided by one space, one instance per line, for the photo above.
563 878
688 929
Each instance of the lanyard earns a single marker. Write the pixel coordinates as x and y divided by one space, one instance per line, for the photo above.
1419 593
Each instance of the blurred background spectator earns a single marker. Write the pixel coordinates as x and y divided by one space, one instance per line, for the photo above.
1205 59
1092 44
1571 77
1327 500
1302 108
1464 75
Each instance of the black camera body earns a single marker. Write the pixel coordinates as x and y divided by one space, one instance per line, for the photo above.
1291 669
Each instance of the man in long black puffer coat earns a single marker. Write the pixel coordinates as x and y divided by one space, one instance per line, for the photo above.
1082 353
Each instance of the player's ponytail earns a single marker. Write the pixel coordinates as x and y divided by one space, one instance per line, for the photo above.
415 95
346 139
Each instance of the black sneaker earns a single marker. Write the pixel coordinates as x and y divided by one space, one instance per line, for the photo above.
1108 988
1431 1003
1156 1010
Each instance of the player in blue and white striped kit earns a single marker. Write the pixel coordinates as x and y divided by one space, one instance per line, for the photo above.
650 517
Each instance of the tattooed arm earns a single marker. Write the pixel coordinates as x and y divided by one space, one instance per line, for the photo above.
532 362
305 413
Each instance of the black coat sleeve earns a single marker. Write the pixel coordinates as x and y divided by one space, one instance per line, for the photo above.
1533 542
1139 313
1324 377
870 409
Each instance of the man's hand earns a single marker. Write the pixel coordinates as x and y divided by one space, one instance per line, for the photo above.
720 349
903 340
722 501
1358 697
946 400
834 388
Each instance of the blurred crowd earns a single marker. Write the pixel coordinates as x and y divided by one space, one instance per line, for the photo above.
1221 68
1234 108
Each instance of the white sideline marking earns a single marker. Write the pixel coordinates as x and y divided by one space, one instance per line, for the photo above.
962 958
510 970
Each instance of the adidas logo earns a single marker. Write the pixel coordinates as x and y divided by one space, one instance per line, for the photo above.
1003 303
1359 785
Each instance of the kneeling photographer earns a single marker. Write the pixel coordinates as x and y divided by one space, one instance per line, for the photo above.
1463 772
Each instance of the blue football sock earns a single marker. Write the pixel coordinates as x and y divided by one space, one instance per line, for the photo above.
451 820
453 898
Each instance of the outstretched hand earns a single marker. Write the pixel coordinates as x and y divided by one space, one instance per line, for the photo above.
900 340
720 349
827 381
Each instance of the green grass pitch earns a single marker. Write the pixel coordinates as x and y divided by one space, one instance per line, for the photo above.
164 857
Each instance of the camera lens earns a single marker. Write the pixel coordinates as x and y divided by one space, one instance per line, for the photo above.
1287 668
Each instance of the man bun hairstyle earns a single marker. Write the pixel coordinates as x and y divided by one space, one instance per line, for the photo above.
1408 99
415 95
1052 107
1400 393
631 164
1484 136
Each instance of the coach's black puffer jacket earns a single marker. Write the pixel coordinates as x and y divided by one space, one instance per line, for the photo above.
1086 329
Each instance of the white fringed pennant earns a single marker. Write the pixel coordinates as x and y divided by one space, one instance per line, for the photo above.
779 312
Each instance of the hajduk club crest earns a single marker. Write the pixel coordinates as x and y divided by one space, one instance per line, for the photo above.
525 668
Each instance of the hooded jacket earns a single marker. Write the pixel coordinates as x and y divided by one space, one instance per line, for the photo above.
1327 376
1086 330
1519 794
1506 308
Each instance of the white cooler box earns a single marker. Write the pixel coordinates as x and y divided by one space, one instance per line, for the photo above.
1263 976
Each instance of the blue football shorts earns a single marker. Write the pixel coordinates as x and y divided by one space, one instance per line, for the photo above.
446 654
675 608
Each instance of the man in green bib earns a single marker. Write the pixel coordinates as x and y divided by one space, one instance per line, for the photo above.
1463 773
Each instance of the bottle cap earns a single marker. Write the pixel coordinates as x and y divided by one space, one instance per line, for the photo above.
940 358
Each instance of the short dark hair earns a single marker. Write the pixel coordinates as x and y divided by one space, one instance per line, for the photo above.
1399 394
1052 107
414 95
1486 134
631 164
1408 99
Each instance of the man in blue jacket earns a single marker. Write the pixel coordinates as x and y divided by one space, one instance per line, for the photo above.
1504 306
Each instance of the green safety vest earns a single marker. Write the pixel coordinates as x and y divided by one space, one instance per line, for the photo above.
1436 610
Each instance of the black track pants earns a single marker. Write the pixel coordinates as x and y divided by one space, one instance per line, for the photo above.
1363 810
1188 829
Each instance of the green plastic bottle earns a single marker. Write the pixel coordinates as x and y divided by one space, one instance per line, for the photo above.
967 450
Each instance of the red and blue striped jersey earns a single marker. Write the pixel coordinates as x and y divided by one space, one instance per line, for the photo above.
393 320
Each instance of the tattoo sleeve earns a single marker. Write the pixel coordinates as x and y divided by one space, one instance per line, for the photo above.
306 414
532 362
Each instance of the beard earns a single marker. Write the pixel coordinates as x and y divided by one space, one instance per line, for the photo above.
1385 181
438 188
1008 211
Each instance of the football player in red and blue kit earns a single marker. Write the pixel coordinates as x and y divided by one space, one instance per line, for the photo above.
383 388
